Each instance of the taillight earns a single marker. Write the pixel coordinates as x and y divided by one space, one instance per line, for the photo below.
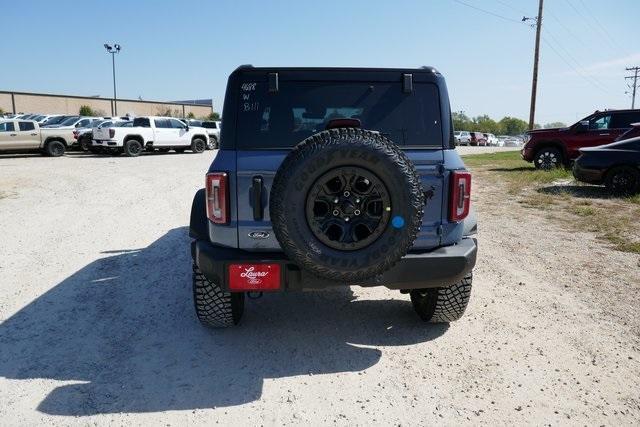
217 197
459 195
112 132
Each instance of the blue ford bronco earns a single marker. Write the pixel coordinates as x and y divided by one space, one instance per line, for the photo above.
334 177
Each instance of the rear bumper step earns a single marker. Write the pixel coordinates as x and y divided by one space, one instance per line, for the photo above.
437 268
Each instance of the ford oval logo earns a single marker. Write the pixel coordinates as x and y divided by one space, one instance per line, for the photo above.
259 234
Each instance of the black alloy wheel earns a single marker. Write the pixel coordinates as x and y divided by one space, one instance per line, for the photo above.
348 208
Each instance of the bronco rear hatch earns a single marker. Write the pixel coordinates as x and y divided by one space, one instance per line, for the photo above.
277 109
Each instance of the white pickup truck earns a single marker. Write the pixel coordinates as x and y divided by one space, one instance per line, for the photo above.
148 134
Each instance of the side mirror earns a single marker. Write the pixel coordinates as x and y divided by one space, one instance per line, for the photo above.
582 126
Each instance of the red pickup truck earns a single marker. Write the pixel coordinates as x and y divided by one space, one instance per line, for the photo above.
550 148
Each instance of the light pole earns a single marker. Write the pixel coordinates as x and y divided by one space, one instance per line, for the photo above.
113 50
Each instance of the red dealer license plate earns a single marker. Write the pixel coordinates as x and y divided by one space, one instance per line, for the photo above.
254 277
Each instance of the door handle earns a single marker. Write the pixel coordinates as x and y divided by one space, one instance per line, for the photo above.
33 134
256 190
13 134
603 134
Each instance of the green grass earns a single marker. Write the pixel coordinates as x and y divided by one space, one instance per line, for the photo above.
516 172
609 218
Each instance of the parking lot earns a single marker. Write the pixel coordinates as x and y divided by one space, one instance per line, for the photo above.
97 324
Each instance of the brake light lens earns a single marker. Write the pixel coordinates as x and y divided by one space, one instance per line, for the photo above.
112 132
217 191
459 195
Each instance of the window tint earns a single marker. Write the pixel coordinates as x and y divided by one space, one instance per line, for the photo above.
624 120
83 123
24 126
162 123
300 109
141 122
176 124
7 127
600 122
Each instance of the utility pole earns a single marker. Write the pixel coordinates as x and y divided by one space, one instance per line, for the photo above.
635 84
113 50
536 56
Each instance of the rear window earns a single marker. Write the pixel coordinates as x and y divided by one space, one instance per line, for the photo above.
26 126
300 109
141 122
624 120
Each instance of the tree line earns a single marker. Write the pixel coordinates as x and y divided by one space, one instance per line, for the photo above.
505 126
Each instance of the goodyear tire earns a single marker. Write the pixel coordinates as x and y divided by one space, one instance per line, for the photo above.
346 204
214 307
133 148
443 305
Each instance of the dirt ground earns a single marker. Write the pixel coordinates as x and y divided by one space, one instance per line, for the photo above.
97 324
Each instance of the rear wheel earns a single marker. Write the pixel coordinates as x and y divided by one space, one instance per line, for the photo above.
623 181
443 305
547 158
54 149
85 143
215 307
132 147
198 145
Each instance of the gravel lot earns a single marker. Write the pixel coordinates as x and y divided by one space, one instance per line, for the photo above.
97 326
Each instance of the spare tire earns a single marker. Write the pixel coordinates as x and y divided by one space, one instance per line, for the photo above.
346 204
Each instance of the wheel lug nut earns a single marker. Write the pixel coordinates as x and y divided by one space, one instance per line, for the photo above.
336 213
336 200
356 212
346 219
346 194
357 200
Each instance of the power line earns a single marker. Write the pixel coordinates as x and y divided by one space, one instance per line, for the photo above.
602 27
579 40
577 71
568 54
584 18
517 21
510 6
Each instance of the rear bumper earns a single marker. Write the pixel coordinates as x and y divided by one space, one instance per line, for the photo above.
440 267
104 143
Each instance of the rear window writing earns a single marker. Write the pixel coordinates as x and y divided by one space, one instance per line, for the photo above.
300 109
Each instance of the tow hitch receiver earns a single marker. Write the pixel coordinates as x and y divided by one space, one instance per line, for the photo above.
254 277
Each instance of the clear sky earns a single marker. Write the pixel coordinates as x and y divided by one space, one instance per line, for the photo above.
186 49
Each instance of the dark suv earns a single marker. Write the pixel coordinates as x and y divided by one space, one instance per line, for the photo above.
550 148
334 177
